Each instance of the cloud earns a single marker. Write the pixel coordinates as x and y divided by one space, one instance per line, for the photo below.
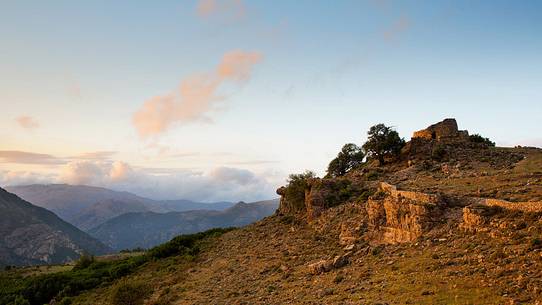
397 28
222 183
27 122
23 157
8 178
95 155
196 96
232 9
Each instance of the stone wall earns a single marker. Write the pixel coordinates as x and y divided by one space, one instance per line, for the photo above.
529 206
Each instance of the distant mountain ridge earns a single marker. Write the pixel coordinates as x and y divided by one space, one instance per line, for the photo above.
87 207
148 229
33 235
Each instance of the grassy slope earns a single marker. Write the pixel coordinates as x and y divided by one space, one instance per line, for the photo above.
266 263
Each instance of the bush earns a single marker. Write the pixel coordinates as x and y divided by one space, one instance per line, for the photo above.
383 141
130 293
476 138
295 190
350 157
83 262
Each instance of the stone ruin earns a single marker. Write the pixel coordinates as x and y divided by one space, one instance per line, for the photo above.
446 131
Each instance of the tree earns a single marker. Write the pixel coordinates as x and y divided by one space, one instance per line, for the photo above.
348 158
295 190
476 138
383 141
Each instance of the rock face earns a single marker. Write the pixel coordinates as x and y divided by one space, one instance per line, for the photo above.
401 216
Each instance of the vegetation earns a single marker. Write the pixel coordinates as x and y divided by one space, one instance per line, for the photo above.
89 273
383 141
130 293
350 157
84 262
476 138
295 190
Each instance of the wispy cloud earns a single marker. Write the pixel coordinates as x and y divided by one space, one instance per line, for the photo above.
95 155
400 26
23 157
27 122
232 9
196 96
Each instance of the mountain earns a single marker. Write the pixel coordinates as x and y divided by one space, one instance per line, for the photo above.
87 207
34 235
147 229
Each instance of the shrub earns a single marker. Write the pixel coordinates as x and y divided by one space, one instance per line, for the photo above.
383 141
83 262
295 190
476 138
350 157
128 292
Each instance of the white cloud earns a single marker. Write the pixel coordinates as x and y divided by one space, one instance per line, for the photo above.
222 183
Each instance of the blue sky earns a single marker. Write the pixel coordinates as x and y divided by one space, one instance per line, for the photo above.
322 73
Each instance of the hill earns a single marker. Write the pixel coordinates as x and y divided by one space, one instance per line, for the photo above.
34 235
87 207
448 220
148 229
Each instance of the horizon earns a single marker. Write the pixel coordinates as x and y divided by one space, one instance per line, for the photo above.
221 100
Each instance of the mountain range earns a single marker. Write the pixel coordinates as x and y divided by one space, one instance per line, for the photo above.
87 207
33 235
148 229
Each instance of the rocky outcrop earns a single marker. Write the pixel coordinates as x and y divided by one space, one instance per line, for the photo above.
323 266
479 215
401 216
431 141
316 196
446 130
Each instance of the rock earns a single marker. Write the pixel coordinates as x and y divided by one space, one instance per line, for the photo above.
321 267
349 234
349 247
401 216
341 260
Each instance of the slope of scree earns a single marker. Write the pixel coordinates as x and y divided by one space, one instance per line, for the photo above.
448 221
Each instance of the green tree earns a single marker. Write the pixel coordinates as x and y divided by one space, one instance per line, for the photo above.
348 158
476 138
383 141
295 190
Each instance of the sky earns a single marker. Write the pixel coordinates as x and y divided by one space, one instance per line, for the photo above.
222 99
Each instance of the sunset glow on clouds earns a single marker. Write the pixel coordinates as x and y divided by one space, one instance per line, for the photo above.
222 99
196 97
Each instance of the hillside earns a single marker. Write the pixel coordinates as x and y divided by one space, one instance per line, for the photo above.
448 220
148 229
87 207
34 235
